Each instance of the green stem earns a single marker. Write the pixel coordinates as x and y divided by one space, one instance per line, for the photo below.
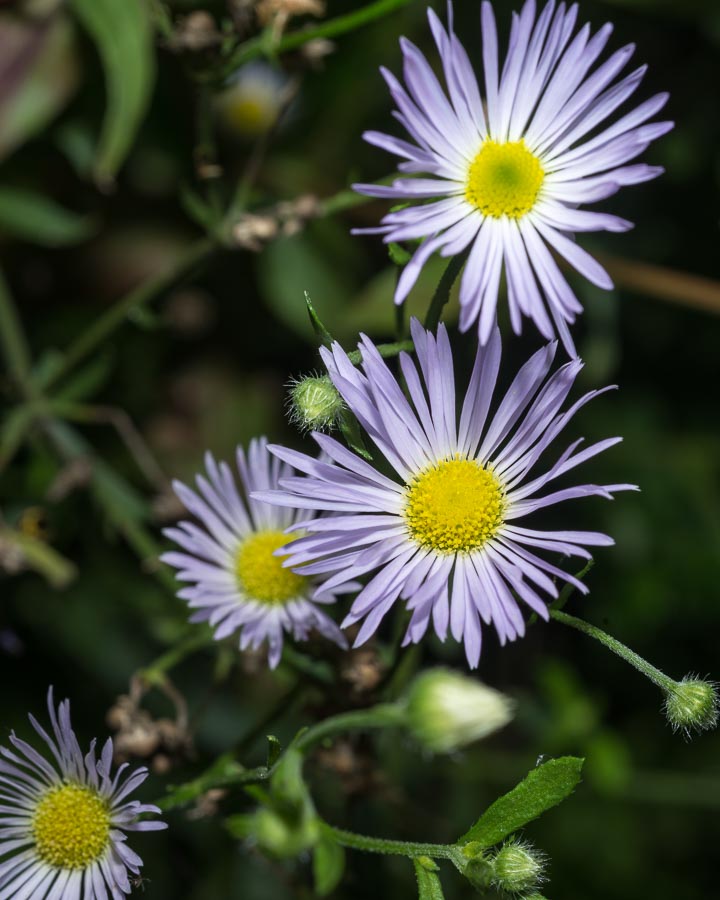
389 847
259 730
663 681
225 772
333 28
12 337
387 351
382 716
156 671
104 326
442 294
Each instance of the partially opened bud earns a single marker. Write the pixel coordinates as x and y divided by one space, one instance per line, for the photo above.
517 867
315 404
692 704
447 710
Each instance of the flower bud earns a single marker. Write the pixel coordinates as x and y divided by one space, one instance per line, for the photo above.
692 704
447 710
517 867
315 404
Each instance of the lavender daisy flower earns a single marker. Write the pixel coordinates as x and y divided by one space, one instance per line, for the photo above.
507 172
238 581
444 535
62 834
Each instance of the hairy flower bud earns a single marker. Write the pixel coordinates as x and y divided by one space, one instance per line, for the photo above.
314 403
692 704
447 710
517 867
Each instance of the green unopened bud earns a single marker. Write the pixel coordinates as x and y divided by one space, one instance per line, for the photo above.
517 867
314 403
692 704
447 711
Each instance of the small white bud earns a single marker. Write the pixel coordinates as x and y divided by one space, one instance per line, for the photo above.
692 704
517 867
447 710
314 403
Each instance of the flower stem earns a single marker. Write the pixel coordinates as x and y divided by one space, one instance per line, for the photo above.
382 716
104 326
333 28
387 351
442 293
389 847
663 681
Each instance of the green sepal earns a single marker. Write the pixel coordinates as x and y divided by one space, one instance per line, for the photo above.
543 788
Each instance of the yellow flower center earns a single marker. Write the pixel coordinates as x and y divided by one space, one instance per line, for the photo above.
504 179
454 507
71 826
261 575
251 114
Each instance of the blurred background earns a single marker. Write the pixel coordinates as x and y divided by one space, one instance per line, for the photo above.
155 318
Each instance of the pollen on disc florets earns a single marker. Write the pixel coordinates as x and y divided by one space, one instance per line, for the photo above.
71 826
504 179
455 506
261 574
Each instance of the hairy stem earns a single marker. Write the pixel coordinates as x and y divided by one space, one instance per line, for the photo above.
663 681
382 716
395 848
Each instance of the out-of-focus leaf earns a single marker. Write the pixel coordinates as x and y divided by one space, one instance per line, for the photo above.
291 267
428 882
40 557
545 787
38 74
39 220
328 866
123 36
76 139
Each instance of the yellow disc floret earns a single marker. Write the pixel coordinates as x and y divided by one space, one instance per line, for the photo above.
455 506
261 575
71 826
504 179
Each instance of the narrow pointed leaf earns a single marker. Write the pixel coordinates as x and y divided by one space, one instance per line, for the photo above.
545 787
428 881
328 866
123 36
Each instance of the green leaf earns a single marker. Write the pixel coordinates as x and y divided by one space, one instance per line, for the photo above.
40 557
428 882
290 266
39 74
273 751
545 787
122 33
328 866
318 327
398 254
39 220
